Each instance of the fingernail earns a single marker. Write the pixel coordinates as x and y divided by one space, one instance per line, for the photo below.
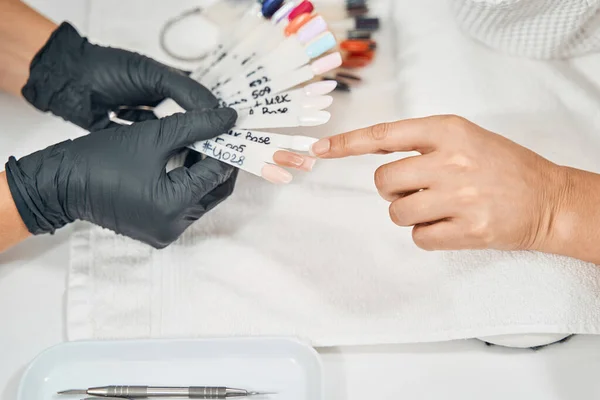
275 174
321 147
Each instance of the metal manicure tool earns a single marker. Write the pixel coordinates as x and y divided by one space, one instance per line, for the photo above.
145 392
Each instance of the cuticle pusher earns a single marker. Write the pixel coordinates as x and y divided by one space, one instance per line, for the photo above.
145 392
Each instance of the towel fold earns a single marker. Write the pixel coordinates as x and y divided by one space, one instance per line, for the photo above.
320 259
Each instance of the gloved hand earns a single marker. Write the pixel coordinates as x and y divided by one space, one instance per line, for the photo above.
81 82
116 178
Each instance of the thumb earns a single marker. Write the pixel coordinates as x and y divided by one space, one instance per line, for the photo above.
181 130
201 178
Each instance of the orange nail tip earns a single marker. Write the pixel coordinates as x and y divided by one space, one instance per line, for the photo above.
297 23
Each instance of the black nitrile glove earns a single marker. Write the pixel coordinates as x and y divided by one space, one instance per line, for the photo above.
116 178
81 82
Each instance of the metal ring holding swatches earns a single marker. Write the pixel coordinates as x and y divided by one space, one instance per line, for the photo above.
113 116
170 24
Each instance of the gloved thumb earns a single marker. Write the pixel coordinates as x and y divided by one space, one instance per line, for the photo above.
181 130
201 178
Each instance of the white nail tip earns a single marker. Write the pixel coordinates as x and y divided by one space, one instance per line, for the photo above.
303 143
319 103
320 88
314 119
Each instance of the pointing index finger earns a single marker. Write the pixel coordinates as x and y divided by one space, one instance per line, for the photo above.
417 134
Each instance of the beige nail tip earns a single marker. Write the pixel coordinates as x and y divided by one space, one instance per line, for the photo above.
309 163
275 174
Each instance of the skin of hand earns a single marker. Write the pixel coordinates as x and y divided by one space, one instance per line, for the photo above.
23 32
470 188
13 229
116 178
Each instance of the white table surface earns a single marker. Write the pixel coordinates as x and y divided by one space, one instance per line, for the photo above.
32 289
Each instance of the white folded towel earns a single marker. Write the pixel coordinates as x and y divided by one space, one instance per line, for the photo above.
319 259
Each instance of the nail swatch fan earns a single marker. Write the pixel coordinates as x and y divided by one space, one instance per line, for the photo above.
267 67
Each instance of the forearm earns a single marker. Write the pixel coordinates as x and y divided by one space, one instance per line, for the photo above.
23 32
575 230
12 228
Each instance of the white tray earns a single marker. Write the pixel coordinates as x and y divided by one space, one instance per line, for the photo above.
285 366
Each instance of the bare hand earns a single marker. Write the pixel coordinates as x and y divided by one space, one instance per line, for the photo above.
468 189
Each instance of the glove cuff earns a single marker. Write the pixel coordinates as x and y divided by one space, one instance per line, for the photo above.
55 77
23 208
38 205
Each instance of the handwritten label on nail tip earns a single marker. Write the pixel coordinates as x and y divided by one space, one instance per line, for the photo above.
271 101
235 147
266 110
220 154
261 92
266 140
259 82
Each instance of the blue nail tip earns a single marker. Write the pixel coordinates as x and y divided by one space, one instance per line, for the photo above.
269 7
321 45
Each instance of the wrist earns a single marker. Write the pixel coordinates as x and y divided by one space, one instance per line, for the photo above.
574 228
23 32
38 189
13 229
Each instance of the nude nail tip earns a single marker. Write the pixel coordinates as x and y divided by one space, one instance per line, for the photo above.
309 164
276 175
327 63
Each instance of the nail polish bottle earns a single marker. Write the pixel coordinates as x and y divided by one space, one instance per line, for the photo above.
359 23
343 9
354 34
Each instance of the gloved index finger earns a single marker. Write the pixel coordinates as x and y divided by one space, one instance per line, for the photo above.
185 91
181 130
